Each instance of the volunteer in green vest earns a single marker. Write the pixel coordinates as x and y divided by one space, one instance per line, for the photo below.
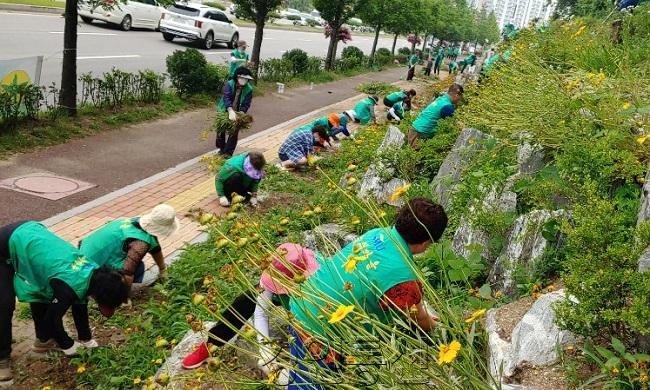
468 61
438 61
237 97
364 111
122 244
42 269
425 125
375 275
413 60
395 97
240 175
334 123
453 67
238 58
396 113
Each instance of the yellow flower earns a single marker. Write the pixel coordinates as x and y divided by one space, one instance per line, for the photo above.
642 139
81 369
341 312
399 192
580 31
448 353
381 214
273 376
158 361
46 388
137 380
355 220
627 106
476 315
351 264
643 378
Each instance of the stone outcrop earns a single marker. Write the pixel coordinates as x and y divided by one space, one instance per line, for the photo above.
530 156
328 238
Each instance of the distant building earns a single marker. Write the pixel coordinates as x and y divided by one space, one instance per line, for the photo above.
518 12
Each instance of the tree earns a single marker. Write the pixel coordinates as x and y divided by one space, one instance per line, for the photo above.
300 5
258 11
398 22
373 13
335 13
68 93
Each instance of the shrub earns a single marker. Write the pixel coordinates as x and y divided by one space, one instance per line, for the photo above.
276 69
293 17
352 52
215 4
274 15
18 101
187 69
299 60
405 51
215 76
117 88
383 56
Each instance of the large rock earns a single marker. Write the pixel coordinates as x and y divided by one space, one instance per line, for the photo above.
534 340
644 210
530 156
328 239
644 260
524 245
467 145
394 138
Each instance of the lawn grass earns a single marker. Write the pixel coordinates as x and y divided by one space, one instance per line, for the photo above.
91 120
42 3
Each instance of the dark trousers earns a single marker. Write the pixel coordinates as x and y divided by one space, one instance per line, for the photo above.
233 318
80 317
411 73
427 71
436 68
462 68
235 183
7 307
226 143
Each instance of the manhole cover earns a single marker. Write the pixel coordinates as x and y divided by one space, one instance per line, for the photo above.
45 185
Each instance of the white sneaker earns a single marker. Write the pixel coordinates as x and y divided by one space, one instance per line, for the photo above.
92 343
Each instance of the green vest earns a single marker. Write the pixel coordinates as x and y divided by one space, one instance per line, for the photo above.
399 109
248 89
107 245
471 59
453 65
234 65
230 167
38 256
364 110
395 97
384 261
413 59
427 121
488 64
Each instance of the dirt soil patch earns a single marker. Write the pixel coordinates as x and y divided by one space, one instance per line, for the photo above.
541 378
280 200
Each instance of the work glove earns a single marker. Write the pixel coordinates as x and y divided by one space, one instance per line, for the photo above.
254 201
224 201
232 115
266 362
72 350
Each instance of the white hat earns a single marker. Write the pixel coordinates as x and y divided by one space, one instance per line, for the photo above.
160 222
351 114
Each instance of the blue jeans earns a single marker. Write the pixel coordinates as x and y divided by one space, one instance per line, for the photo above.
298 380
338 130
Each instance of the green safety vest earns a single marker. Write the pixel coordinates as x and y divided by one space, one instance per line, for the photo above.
107 245
248 89
230 167
364 110
440 56
388 262
399 109
37 256
234 65
453 66
413 59
470 59
427 122
395 97
488 64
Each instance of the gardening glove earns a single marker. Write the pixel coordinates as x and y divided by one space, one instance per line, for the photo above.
72 350
254 201
266 362
224 201
232 115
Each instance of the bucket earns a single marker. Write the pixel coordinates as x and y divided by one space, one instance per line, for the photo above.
280 87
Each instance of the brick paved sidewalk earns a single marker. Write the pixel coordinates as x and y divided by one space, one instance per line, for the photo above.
189 185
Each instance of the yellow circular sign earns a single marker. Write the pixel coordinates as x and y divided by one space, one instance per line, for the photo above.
19 75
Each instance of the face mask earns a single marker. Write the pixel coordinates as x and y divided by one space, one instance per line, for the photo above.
241 49
242 81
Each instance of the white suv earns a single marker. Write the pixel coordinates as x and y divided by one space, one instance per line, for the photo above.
132 13
200 23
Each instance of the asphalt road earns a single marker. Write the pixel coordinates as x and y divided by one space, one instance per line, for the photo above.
101 47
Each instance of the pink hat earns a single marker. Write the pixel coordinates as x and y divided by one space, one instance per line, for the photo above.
294 258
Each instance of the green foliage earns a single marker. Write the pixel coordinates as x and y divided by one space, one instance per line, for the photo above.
117 88
376 88
620 369
293 17
352 52
215 4
191 74
18 101
300 5
299 60
256 10
383 56
447 268
405 51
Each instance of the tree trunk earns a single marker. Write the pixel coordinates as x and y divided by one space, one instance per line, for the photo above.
331 49
424 41
374 44
394 44
68 94
415 37
260 22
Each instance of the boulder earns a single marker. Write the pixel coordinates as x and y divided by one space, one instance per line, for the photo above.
467 145
534 340
530 156
328 239
394 138
524 245
644 260
644 210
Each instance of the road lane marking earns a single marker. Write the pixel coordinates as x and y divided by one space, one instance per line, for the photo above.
86 33
34 14
106 57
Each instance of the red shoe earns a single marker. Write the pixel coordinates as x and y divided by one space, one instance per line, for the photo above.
196 358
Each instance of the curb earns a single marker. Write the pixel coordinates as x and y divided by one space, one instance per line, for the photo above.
31 8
